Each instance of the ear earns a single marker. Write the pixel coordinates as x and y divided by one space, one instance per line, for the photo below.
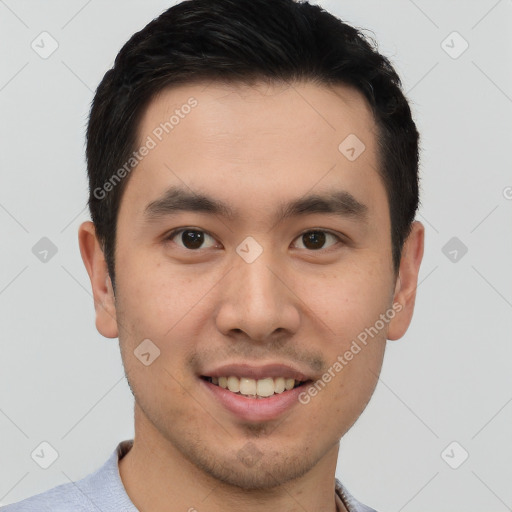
102 290
407 281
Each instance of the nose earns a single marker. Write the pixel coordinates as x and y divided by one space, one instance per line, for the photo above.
257 299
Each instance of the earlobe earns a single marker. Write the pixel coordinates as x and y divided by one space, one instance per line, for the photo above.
95 264
407 281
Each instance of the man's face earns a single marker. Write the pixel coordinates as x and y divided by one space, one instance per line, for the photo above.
254 295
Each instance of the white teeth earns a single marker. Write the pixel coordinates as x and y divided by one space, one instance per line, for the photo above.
279 385
251 387
233 384
265 387
247 386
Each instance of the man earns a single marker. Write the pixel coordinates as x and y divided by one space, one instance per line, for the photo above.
253 170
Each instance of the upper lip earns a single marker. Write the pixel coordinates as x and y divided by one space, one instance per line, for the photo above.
257 372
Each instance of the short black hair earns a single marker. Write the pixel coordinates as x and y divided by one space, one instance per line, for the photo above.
246 41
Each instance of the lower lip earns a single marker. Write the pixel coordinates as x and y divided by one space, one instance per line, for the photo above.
255 409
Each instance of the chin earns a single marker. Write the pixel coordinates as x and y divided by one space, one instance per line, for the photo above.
267 473
252 467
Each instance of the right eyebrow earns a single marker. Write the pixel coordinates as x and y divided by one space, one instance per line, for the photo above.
179 199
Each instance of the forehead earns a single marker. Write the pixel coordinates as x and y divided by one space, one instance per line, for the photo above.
254 144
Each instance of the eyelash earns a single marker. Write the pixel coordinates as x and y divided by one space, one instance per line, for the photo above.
174 233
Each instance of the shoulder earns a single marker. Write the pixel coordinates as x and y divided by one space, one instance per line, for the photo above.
62 498
351 504
101 490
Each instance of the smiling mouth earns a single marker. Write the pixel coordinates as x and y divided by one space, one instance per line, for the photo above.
255 388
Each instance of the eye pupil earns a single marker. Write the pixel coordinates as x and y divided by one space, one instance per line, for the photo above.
316 238
192 239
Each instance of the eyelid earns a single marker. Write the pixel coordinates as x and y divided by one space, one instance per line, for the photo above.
322 230
169 236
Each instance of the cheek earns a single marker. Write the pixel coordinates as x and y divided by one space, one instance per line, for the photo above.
348 300
167 306
348 306
358 380
156 297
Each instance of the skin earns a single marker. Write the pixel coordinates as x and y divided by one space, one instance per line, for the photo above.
253 147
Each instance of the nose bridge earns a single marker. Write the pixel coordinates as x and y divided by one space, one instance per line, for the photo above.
254 299
258 284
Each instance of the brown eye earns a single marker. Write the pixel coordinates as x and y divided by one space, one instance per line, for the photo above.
191 239
315 240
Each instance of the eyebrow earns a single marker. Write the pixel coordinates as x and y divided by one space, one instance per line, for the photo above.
177 199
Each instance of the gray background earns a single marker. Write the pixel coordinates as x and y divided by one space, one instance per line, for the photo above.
447 380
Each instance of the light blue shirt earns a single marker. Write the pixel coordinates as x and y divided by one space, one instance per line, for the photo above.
103 491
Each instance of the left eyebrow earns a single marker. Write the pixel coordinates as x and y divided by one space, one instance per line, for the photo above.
175 199
340 203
